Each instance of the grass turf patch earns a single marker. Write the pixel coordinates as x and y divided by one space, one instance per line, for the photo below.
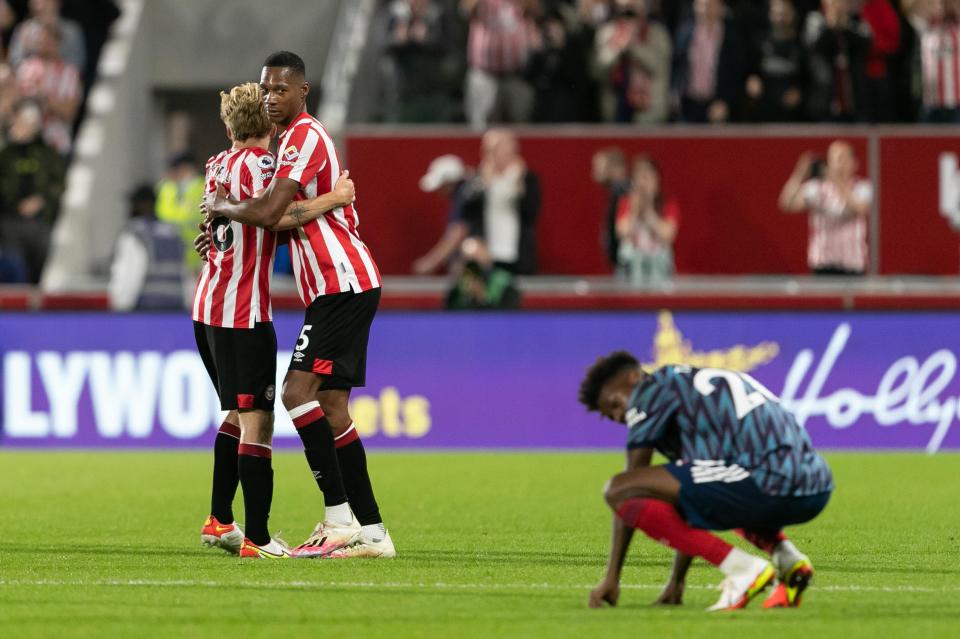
107 544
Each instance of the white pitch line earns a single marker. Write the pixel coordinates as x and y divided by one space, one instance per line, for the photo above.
279 585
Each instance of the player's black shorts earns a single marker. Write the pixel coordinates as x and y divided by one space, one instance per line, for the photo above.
727 498
334 336
241 362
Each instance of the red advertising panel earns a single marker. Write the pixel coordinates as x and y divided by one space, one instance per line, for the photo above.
726 186
915 237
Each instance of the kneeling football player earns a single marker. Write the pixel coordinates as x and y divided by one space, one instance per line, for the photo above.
738 460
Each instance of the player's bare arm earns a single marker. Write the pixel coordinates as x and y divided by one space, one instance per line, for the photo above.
263 211
300 212
673 592
608 590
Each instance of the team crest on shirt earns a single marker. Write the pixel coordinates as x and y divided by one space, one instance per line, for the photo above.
291 153
265 162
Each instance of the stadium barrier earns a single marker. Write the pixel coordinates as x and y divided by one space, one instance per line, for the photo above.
855 380
726 181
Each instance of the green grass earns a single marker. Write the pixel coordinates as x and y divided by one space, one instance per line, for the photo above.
490 545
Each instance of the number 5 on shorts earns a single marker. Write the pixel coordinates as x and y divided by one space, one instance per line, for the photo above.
304 341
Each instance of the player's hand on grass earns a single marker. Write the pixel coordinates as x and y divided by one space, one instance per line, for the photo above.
672 594
344 189
608 591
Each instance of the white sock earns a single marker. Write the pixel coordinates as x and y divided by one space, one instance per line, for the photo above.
375 532
738 562
339 514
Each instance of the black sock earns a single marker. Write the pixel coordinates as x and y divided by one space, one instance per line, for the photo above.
225 477
318 447
356 479
256 475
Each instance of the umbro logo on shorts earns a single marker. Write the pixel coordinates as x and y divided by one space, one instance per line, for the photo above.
705 471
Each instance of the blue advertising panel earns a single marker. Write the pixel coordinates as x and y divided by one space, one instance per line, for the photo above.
854 380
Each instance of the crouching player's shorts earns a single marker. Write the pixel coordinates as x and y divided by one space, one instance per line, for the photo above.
718 497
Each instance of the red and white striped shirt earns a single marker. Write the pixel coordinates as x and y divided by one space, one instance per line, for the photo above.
837 239
234 286
499 38
940 62
327 253
51 80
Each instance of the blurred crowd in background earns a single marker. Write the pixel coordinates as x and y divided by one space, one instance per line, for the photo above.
490 236
656 61
48 53
493 62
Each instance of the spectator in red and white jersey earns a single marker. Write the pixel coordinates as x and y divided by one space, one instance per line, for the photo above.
647 224
71 45
708 65
939 26
339 284
838 202
55 83
498 47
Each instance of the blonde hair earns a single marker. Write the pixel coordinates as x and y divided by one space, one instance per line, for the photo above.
243 112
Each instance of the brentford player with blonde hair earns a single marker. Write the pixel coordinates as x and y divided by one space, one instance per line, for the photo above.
234 330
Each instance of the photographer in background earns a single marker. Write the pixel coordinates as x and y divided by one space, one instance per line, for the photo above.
481 284
448 176
838 202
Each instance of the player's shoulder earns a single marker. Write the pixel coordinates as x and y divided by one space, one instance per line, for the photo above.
259 159
303 124
217 158
672 372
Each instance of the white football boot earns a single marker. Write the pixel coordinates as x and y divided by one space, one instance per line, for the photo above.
365 547
328 537
743 583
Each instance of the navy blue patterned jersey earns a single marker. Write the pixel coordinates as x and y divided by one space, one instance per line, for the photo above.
712 414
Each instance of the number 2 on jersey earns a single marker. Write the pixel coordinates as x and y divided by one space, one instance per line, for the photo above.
743 402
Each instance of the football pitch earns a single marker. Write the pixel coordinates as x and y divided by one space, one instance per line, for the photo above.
489 545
